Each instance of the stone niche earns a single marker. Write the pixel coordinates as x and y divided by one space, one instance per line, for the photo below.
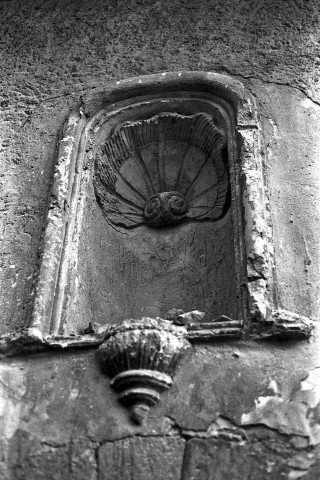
158 202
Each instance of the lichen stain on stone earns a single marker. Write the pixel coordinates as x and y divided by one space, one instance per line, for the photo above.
290 412
12 389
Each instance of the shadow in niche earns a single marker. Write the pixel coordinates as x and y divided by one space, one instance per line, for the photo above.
157 229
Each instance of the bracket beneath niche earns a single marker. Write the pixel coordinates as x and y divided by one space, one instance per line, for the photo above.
158 203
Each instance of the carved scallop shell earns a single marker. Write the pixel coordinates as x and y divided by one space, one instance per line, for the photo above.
162 171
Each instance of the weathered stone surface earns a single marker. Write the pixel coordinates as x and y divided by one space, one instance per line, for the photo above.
144 264
32 458
218 460
36 458
313 473
290 124
63 406
214 382
83 462
287 411
66 395
142 459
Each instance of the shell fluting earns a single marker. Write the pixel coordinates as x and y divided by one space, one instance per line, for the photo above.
147 344
162 171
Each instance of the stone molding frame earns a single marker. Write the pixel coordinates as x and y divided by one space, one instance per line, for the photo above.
236 108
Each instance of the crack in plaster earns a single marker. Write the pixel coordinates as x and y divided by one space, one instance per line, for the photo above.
49 99
272 82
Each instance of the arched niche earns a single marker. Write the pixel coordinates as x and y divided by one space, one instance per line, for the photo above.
127 235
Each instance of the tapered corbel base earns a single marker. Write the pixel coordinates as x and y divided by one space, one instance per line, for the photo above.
140 357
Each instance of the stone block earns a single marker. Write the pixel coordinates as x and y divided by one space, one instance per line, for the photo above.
142 459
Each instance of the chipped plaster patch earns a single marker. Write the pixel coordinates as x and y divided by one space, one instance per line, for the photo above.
296 474
307 103
273 386
291 413
12 389
312 385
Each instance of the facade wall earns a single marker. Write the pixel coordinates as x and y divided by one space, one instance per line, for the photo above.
238 409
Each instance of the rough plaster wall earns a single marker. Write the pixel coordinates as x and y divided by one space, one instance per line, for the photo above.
59 417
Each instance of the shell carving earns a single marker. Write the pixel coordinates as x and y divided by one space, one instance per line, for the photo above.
162 171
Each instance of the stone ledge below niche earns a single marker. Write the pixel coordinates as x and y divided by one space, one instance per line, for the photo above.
281 324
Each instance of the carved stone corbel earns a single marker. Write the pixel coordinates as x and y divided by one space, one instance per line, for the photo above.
140 357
